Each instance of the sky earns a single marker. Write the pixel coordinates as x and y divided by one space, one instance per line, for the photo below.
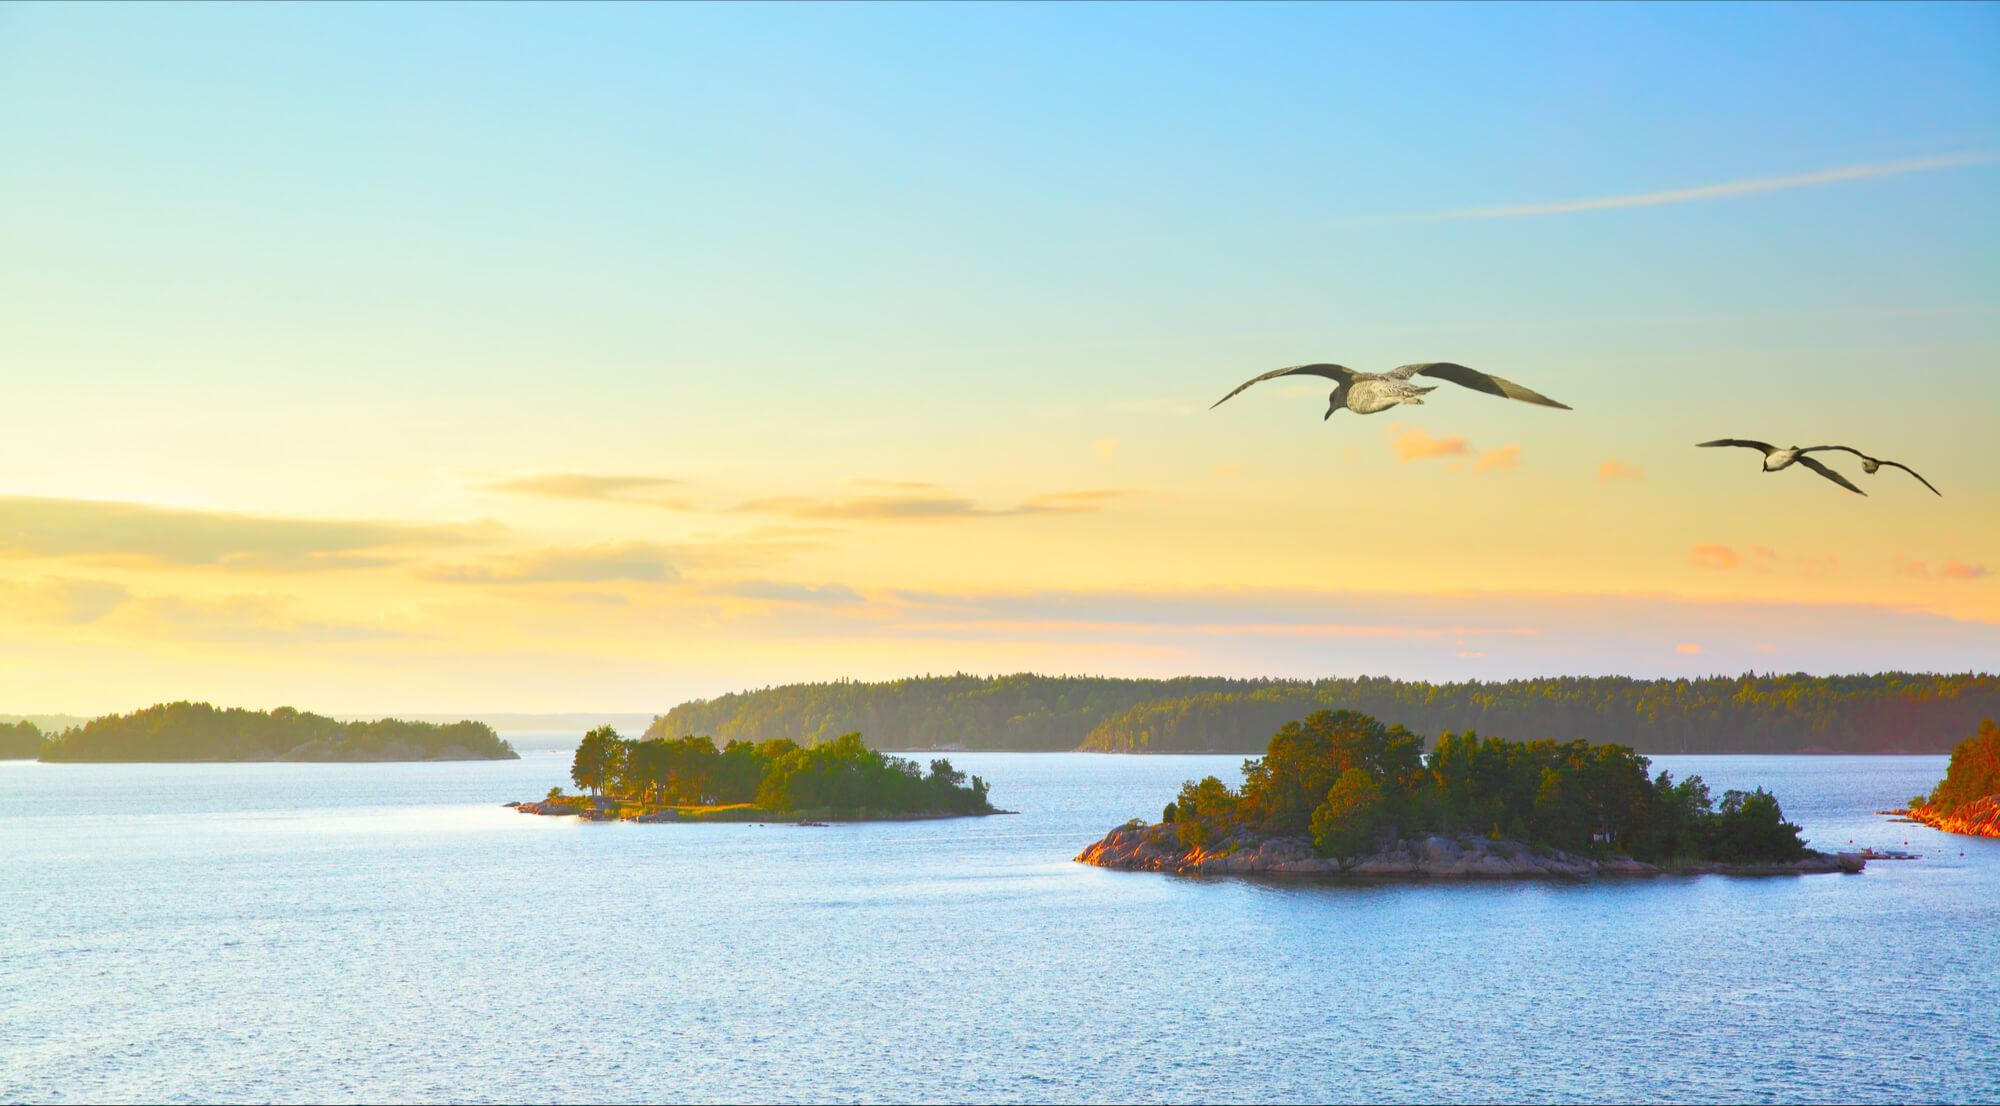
404 358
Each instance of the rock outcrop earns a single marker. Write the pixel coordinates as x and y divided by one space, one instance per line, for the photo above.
1159 848
1979 818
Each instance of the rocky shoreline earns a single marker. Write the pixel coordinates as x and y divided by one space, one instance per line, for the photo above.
1979 818
609 810
1158 848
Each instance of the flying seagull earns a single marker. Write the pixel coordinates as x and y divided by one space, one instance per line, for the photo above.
1775 459
1367 393
1870 464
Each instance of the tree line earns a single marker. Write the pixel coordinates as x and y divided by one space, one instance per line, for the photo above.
1346 780
840 777
186 731
1752 713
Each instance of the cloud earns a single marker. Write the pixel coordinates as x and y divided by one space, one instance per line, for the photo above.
900 485
1415 445
1106 447
31 526
245 619
1714 556
1717 191
789 593
1950 570
1506 457
636 562
640 490
1229 471
1687 647
928 508
61 601
1619 470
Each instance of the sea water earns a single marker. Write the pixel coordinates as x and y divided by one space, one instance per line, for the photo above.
390 932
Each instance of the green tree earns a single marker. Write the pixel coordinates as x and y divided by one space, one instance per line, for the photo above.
598 758
1344 822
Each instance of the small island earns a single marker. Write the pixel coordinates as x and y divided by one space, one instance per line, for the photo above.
1967 800
179 732
1341 795
688 779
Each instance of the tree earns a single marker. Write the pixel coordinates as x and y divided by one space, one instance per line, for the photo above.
1344 823
597 759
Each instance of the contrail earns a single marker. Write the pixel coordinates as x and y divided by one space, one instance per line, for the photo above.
1718 191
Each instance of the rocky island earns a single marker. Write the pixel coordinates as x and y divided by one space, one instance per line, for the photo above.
1339 794
174 732
1967 800
690 780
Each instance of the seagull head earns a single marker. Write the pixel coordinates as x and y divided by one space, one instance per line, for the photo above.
1333 401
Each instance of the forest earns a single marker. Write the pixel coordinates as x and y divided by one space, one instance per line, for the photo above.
1343 778
20 740
201 732
1752 713
842 777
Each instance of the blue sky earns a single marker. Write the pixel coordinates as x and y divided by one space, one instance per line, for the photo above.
368 262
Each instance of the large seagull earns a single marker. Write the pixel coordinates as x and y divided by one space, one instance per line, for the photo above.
1367 393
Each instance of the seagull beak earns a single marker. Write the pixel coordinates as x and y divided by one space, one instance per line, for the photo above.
1329 413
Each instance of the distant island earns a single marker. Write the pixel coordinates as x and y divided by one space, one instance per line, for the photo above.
20 740
688 779
1967 800
174 732
1341 794
1883 713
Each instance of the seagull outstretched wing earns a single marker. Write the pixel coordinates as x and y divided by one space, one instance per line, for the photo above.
1877 461
1476 380
1829 474
1766 448
1912 472
1331 372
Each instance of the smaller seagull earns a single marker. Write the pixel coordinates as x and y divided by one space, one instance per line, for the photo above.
1870 464
1775 459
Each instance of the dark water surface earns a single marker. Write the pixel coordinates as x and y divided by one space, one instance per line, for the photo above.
389 933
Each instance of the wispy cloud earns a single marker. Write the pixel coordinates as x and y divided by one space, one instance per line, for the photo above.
929 508
1414 444
61 601
1716 191
36 527
642 490
1949 570
638 562
1618 470
1506 457
778 591
1710 555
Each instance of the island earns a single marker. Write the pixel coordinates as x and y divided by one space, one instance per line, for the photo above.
1887 712
1339 794
1967 800
177 732
20 740
688 779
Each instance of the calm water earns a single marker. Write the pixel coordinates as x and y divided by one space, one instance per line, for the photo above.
388 932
